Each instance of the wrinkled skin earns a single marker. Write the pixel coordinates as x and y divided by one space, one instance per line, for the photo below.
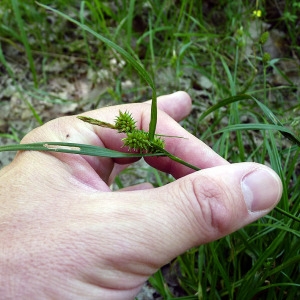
65 235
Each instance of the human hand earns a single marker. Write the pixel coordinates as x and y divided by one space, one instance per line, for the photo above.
65 235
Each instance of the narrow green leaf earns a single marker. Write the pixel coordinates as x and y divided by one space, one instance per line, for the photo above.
229 75
137 65
273 63
5 64
283 130
277 285
219 265
153 121
288 134
250 278
82 20
268 113
96 122
74 149
11 73
254 126
132 61
147 33
224 103
34 112
275 160
18 18
129 21
287 214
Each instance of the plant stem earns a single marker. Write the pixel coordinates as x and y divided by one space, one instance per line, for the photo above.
153 121
179 160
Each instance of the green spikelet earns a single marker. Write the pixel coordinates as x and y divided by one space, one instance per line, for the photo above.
95 122
156 145
266 58
264 38
135 139
125 122
139 140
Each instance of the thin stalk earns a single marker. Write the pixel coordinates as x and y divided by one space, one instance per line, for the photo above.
153 121
179 160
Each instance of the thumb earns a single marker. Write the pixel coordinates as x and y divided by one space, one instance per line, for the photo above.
208 204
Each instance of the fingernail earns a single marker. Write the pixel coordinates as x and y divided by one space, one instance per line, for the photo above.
261 189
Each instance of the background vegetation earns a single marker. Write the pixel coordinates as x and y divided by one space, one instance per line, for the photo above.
239 60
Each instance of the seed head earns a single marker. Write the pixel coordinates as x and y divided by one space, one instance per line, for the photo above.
139 140
264 37
266 58
125 122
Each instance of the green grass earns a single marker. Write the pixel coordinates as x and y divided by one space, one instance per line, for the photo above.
248 109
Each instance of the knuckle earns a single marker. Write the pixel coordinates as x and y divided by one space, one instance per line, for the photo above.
212 206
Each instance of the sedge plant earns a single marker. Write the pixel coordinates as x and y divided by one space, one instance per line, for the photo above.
136 139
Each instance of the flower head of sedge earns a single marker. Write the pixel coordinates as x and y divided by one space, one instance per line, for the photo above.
125 122
139 140
264 38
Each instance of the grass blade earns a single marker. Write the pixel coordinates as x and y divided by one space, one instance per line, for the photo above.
283 212
153 121
34 112
255 126
11 73
74 149
277 124
288 134
82 19
132 61
15 6
229 75
129 21
224 103
84 149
